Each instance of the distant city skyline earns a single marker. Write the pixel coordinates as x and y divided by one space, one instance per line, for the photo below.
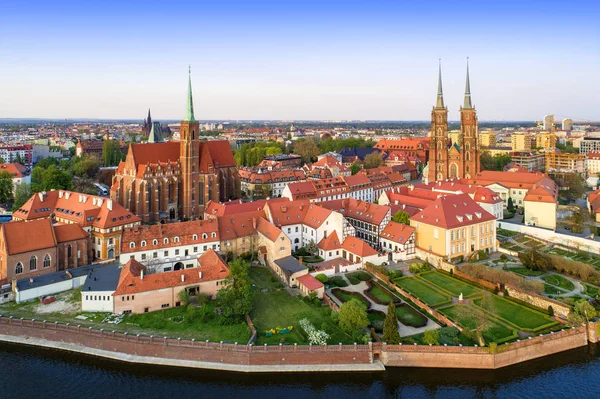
298 61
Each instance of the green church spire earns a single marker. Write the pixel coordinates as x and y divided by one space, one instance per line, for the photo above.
468 103
440 94
189 115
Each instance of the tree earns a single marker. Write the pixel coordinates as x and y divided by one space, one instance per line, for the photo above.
111 152
22 195
236 298
6 187
510 206
585 309
353 316
373 160
496 162
355 168
401 217
307 149
53 178
390 326
312 248
431 337
475 319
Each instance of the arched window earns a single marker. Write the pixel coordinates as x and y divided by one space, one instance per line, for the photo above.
155 242
32 263
46 261
468 156
195 237
165 240
176 239
439 156
204 236
214 235
468 146
132 245
143 243
19 268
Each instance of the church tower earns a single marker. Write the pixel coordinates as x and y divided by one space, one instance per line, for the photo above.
189 148
438 146
469 135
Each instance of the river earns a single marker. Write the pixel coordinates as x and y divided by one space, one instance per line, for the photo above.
28 372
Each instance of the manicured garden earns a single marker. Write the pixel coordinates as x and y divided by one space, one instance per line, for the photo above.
423 291
591 290
523 271
345 296
380 295
450 284
552 290
512 247
496 331
529 242
559 281
410 317
506 233
377 319
337 281
578 256
515 314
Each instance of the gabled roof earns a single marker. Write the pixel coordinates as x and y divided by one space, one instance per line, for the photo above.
69 232
268 230
238 225
310 282
360 210
15 169
330 243
453 211
23 237
358 247
397 232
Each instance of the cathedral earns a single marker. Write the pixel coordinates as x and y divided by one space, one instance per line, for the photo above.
453 160
173 181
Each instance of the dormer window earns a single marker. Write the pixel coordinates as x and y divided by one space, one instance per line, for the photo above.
155 242
204 236
213 235
165 240
195 237
132 245
176 239
143 243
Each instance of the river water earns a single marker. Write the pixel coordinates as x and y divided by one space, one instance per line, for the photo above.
27 372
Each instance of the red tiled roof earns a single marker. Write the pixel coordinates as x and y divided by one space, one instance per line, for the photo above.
15 169
360 210
330 242
397 232
239 224
309 282
212 267
358 247
69 232
23 237
453 211
268 230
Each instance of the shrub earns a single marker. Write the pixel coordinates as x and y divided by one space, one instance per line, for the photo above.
449 335
322 278
502 277
353 316
315 337
550 310
483 255
184 297
431 337
394 274
416 268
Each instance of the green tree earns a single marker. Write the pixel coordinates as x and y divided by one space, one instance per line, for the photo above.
22 195
54 178
510 206
86 166
307 149
3 161
496 162
431 337
373 160
353 316
236 298
474 319
6 187
401 217
390 326
355 168
585 309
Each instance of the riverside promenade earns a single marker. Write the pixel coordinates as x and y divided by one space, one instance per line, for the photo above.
284 358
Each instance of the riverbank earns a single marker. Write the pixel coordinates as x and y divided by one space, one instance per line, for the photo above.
282 358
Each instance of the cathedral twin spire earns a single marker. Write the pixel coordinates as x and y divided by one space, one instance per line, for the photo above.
189 115
440 95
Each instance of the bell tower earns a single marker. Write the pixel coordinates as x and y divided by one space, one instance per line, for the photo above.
438 147
189 148
469 134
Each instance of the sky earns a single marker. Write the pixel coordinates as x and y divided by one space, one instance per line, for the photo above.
298 60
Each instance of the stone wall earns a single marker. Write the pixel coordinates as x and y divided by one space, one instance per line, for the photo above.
560 309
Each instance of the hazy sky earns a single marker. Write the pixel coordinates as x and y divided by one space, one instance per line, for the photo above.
299 59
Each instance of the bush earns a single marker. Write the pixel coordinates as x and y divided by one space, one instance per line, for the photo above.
322 278
502 277
416 268
483 255
550 310
449 335
431 337
394 274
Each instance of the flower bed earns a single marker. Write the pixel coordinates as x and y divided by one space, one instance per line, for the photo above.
377 319
356 277
380 295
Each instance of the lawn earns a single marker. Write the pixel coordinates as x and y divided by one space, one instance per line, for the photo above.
377 319
424 292
521 317
590 290
506 233
380 294
279 309
523 271
450 284
357 277
496 332
262 278
552 290
559 281
410 317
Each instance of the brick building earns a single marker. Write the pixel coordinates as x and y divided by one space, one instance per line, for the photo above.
175 180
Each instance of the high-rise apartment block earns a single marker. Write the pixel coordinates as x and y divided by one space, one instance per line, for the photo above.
521 141
487 138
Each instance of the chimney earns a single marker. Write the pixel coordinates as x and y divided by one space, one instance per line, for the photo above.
200 275
67 195
142 274
41 195
109 204
182 278
60 194
99 201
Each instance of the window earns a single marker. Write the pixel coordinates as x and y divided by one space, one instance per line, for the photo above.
32 263
166 253
213 235
204 236
19 268
143 256
46 261
154 255
176 252
195 237
155 242
165 240
195 249
176 239
164 305
132 245
143 243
